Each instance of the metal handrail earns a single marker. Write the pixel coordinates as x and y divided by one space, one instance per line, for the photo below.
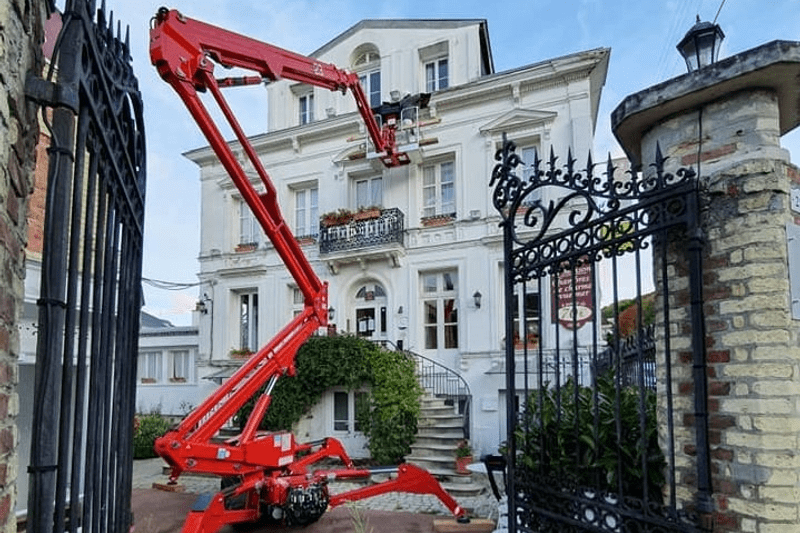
440 381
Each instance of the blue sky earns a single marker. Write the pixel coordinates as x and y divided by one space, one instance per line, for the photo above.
642 36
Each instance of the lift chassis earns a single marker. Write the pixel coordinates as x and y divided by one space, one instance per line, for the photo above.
268 475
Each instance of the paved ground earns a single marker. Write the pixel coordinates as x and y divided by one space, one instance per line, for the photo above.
156 511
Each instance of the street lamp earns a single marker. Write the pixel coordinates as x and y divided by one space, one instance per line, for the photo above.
700 46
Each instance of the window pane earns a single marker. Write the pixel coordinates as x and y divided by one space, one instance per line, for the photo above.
447 172
430 338
428 176
429 283
300 213
340 412
449 280
244 320
430 312
430 79
450 311
451 336
377 192
362 193
375 89
443 81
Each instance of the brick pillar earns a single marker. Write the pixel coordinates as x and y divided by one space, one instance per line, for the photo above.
21 26
752 341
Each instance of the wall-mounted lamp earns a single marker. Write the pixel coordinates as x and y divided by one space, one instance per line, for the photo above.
331 313
700 46
202 304
477 297
400 310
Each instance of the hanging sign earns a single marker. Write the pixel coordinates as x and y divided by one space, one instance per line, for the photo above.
572 296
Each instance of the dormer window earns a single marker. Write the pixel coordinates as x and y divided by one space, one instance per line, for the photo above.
304 96
436 66
306 108
436 75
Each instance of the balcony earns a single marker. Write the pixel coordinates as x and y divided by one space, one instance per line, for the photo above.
362 231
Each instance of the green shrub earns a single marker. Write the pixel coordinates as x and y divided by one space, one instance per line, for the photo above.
566 435
389 415
146 429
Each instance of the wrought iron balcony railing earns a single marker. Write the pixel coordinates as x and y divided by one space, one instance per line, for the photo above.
384 229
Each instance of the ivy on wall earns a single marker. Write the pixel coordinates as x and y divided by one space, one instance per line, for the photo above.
388 418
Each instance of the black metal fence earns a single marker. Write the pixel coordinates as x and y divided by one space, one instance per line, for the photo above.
592 443
81 463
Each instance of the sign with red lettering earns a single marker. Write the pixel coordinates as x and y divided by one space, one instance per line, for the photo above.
573 296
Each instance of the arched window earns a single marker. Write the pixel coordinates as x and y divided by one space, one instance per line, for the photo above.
366 61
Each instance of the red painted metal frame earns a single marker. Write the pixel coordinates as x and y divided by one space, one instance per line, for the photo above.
184 52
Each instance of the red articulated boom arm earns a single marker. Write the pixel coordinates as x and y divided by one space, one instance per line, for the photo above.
271 477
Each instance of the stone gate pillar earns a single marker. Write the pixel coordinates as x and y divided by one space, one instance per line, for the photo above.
726 120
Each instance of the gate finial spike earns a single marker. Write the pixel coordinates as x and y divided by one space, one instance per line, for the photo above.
610 169
659 157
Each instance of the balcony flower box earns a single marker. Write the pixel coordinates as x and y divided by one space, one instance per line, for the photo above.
367 213
337 218
148 381
246 247
437 220
240 353
177 380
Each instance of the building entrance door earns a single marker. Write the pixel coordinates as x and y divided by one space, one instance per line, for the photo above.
370 312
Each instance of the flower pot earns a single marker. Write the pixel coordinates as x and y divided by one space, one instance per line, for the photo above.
462 463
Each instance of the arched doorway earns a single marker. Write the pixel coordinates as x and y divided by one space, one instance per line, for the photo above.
370 308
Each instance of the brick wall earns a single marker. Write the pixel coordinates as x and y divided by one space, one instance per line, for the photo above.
20 52
752 342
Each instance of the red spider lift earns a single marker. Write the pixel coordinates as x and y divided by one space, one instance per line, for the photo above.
273 476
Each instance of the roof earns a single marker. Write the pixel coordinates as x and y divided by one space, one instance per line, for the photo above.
416 24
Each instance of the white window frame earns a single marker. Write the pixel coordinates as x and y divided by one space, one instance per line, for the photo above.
298 301
247 316
368 191
305 104
346 424
306 211
439 298
150 367
438 188
181 366
368 79
435 79
529 310
526 154
250 231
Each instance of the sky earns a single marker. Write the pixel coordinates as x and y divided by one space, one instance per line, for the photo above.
641 35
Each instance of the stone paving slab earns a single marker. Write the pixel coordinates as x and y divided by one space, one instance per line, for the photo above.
157 511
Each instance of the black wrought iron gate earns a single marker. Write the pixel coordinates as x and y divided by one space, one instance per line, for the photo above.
90 295
601 437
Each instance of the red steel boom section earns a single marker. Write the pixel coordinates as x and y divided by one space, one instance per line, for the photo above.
271 478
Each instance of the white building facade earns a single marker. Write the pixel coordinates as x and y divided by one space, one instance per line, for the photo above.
426 271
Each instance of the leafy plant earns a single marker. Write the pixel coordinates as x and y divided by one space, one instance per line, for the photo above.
146 429
387 416
573 433
463 449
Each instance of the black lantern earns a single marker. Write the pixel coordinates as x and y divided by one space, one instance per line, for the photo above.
700 46
477 299
331 313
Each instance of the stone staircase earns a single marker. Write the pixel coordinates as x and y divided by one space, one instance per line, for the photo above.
440 428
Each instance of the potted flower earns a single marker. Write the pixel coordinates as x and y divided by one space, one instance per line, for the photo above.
337 218
366 213
240 353
463 457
